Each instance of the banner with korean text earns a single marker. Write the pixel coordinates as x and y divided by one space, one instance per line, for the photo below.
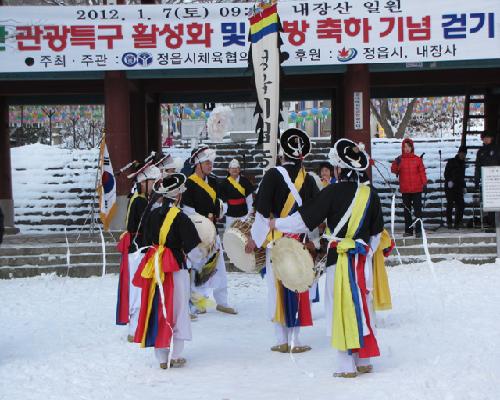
71 38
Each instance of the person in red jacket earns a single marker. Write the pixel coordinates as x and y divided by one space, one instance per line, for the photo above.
412 182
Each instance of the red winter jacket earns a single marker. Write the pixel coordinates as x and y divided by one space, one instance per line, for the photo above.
411 171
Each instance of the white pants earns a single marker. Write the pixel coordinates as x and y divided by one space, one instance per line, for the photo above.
344 362
230 220
134 259
312 291
182 320
218 282
282 333
162 354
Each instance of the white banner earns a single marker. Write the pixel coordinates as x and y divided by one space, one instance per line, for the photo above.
266 66
64 38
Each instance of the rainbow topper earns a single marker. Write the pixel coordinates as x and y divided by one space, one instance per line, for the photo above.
264 22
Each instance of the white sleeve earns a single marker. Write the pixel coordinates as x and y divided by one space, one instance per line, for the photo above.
195 258
260 228
224 209
249 201
374 242
188 210
292 224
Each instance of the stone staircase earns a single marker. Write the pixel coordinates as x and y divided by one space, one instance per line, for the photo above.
23 256
54 189
31 255
57 190
36 254
466 246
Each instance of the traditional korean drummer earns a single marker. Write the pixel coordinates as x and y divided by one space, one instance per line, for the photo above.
202 197
237 192
282 190
354 216
163 276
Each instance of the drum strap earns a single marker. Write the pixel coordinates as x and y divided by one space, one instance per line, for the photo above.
204 185
293 197
294 188
236 185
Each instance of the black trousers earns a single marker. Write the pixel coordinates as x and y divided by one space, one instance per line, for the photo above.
454 199
412 201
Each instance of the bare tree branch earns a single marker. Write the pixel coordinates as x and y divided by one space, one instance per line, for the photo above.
406 118
384 116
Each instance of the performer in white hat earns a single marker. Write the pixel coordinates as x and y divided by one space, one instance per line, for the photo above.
131 245
237 193
354 217
202 197
163 276
282 190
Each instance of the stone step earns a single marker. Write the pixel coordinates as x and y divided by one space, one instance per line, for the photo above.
35 228
82 270
443 249
75 271
60 238
448 239
56 259
55 211
49 221
10 250
466 259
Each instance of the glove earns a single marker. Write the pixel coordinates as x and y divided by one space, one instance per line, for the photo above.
398 160
450 185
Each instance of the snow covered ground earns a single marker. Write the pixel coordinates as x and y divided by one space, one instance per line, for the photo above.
58 341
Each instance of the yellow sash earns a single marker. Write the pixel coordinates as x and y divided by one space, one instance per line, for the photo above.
149 269
381 291
236 185
287 207
204 185
345 334
134 196
279 314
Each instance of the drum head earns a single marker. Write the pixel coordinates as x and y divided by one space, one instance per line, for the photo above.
234 245
206 231
292 264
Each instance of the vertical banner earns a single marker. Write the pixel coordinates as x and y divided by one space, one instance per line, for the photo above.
265 58
358 110
106 187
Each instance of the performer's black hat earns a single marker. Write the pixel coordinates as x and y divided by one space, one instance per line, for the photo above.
201 154
295 144
171 185
347 154
487 134
462 149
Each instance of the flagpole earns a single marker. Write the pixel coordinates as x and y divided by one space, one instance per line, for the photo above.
91 214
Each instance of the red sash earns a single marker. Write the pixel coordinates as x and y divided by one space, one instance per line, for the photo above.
370 347
164 332
122 306
236 202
